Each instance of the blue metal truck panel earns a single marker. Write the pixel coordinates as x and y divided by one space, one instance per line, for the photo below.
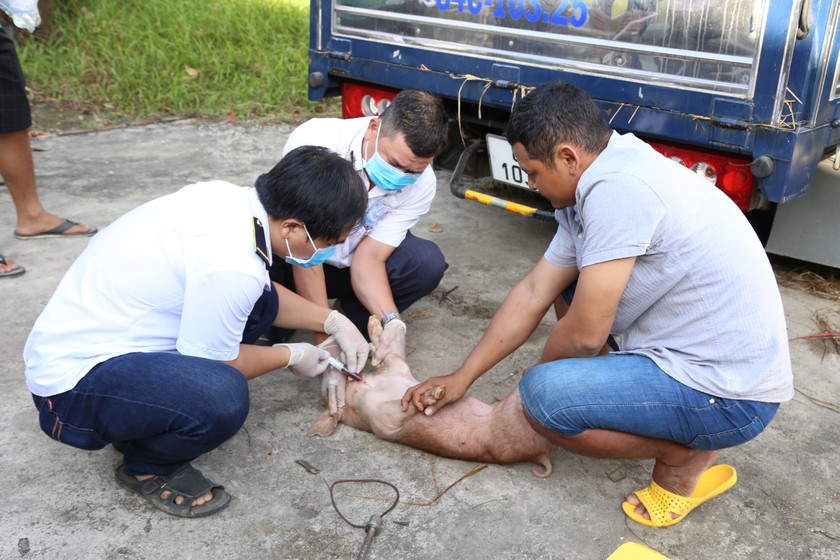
754 80
730 75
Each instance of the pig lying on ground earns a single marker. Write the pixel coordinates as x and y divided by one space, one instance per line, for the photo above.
468 429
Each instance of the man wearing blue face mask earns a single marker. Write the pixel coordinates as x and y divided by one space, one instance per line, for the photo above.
159 347
381 269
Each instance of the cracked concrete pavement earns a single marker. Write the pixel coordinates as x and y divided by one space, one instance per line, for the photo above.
63 503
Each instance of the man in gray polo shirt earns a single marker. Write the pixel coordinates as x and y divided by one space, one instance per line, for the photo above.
665 260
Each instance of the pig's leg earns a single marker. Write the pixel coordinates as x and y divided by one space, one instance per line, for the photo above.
374 330
513 439
381 345
472 430
432 396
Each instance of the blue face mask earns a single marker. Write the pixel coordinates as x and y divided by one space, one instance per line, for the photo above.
318 257
385 175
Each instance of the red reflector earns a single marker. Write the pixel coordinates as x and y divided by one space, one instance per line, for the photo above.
738 185
355 97
733 174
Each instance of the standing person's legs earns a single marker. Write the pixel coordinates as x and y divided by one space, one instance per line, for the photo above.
624 406
11 118
16 165
166 409
17 170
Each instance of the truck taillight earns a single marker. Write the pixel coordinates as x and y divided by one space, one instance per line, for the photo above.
360 100
731 175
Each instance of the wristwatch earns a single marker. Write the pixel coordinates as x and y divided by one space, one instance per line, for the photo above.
390 317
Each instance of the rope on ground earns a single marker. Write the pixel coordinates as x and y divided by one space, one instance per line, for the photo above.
818 402
433 502
362 481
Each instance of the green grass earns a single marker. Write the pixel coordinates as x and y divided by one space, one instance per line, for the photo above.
139 59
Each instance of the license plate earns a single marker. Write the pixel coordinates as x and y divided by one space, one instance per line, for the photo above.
503 163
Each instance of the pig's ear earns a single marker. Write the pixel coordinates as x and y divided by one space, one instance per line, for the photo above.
325 425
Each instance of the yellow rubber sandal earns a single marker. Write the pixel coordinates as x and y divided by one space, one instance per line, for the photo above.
635 551
659 502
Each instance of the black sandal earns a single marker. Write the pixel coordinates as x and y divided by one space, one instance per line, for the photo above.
10 273
187 482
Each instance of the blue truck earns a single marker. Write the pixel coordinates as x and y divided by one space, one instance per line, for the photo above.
744 92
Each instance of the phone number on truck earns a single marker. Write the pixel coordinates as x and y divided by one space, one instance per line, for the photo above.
569 11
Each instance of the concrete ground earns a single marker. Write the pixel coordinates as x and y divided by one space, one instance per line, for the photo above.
62 503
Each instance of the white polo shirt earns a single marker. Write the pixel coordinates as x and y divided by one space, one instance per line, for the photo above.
177 274
390 214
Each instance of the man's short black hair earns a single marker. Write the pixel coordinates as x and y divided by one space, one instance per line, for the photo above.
316 186
557 113
422 119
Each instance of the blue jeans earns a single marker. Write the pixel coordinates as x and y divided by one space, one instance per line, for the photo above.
629 393
168 409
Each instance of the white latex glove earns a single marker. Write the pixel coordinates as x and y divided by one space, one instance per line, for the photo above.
391 340
306 360
333 382
333 385
354 347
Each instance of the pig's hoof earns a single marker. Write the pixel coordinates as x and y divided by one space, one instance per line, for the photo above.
432 396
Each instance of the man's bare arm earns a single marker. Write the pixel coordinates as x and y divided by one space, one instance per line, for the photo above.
583 330
311 284
370 277
516 319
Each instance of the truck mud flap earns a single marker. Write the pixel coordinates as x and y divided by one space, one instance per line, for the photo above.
466 188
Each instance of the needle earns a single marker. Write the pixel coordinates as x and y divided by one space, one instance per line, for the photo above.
336 363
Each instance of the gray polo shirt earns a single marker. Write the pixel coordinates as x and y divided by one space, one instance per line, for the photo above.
702 301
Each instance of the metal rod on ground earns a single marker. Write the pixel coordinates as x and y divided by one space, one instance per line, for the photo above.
372 528
374 524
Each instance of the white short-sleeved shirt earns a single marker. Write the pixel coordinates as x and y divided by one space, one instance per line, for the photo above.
390 214
177 274
702 300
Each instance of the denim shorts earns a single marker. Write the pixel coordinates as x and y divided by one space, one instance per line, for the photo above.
629 393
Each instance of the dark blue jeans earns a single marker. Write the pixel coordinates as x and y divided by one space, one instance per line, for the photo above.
168 409
415 268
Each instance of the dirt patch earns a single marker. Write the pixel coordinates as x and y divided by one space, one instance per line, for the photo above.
52 116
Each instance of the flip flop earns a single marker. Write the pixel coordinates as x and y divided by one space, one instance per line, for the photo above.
58 231
659 502
635 551
10 273
187 482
